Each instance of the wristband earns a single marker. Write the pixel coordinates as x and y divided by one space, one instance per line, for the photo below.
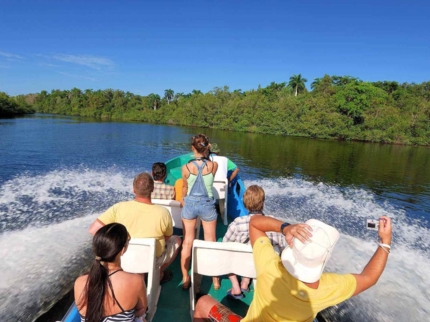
285 224
385 245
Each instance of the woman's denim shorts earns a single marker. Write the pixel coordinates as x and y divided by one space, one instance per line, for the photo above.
199 207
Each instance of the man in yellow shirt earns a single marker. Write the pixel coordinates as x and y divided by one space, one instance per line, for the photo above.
293 287
145 220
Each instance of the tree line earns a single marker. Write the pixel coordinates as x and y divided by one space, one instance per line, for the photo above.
12 106
337 107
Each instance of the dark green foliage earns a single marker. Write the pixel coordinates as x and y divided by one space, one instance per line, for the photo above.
12 106
356 97
338 107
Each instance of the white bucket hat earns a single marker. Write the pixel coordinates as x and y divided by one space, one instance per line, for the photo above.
306 262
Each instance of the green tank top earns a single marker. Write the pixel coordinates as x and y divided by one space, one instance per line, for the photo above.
207 178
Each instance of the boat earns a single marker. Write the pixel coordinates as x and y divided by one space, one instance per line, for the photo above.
174 303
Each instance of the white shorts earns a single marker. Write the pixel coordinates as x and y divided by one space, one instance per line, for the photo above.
172 245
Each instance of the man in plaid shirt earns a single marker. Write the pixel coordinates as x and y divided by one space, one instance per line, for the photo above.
238 231
161 190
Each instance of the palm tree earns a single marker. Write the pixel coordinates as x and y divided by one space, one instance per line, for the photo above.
298 83
168 95
155 98
178 96
315 83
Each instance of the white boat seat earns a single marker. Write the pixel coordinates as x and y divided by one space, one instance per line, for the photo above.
216 259
220 193
140 258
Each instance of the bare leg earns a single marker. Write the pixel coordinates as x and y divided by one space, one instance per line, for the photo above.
244 283
189 235
209 230
177 241
203 306
235 287
206 304
222 207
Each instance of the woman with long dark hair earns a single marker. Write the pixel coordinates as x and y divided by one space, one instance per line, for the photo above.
198 177
107 292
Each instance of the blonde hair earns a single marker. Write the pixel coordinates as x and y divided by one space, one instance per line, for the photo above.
254 198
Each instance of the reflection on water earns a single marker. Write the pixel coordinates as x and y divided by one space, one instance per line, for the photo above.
398 173
373 165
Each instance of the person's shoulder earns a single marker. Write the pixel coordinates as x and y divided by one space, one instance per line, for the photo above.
262 242
116 205
123 206
159 209
263 239
241 219
265 257
81 281
125 203
137 281
130 281
335 278
136 278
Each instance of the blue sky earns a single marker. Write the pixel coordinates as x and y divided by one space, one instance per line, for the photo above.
149 46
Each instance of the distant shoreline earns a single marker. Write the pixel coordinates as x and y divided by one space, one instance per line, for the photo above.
339 108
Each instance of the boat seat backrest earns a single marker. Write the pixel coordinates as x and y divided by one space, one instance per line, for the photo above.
140 258
215 259
219 189
220 193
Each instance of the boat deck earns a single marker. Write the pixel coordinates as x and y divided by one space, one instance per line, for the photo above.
174 302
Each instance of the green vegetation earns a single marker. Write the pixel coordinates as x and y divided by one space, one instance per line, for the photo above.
338 107
18 105
298 83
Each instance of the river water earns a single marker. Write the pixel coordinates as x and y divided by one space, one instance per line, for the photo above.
58 173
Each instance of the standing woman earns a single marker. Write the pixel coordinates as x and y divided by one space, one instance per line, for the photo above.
198 177
107 292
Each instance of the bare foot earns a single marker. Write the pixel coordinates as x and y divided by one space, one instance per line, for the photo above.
216 283
186 284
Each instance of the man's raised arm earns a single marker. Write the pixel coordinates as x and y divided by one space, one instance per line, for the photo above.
376 265
259 225
95 226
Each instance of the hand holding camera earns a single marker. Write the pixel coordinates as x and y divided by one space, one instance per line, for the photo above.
383 226
385 230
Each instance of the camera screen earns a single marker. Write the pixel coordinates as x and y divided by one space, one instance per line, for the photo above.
371 225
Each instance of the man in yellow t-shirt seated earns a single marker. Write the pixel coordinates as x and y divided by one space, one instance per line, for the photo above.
293 287
145 220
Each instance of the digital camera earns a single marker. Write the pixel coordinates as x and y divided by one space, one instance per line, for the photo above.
372 224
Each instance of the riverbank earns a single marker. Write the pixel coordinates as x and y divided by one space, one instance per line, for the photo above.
13 106
338 108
